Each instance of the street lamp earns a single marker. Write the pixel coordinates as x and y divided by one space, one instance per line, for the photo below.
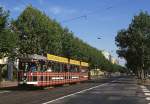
96 67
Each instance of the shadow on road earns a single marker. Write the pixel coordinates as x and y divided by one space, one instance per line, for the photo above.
17 88
92 81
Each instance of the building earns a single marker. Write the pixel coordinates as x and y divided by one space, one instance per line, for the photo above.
4 60
114 60
107 55
95 73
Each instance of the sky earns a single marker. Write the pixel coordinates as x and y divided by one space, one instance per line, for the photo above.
87 19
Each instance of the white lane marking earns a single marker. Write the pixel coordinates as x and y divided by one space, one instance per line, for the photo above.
75 93
147 98
146 91
147 94
4 92
142 86
113 81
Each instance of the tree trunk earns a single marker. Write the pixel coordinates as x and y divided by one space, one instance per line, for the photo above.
0 74
145 74
139 74
142 74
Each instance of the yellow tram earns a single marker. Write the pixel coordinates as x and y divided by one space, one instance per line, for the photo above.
38 70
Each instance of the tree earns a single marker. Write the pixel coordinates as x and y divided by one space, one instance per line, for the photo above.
134 43
8 39
39 34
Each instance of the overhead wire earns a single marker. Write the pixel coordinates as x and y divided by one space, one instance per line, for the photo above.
85 15
23 2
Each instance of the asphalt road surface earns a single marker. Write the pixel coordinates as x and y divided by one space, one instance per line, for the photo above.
120 90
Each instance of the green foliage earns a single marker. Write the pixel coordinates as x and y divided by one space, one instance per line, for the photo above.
8 39
8 42
134 43
3 18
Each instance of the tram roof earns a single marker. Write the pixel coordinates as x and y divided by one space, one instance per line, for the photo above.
66 60
54 58
74 62
57 58
84 64
33 57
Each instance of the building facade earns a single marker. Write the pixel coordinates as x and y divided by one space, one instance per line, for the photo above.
109 57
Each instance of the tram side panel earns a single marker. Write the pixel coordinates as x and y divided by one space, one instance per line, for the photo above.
50 78
40 78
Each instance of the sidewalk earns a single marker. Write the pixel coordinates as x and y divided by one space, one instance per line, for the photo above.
6 84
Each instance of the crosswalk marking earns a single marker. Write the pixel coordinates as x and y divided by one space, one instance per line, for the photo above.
147 98
142 86
146 93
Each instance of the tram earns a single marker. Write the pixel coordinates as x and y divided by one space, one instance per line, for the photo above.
40 71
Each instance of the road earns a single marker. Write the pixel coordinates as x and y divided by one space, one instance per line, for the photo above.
122 90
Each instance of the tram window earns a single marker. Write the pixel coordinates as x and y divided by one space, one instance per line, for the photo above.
26 66
56 67
53 67
44 78
41 78
84 70
66 77
71 68
65 68
61 67
42 66
49 67
78 69
38 67
33 67
69 77
74 68
49 78
34 78
21 66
